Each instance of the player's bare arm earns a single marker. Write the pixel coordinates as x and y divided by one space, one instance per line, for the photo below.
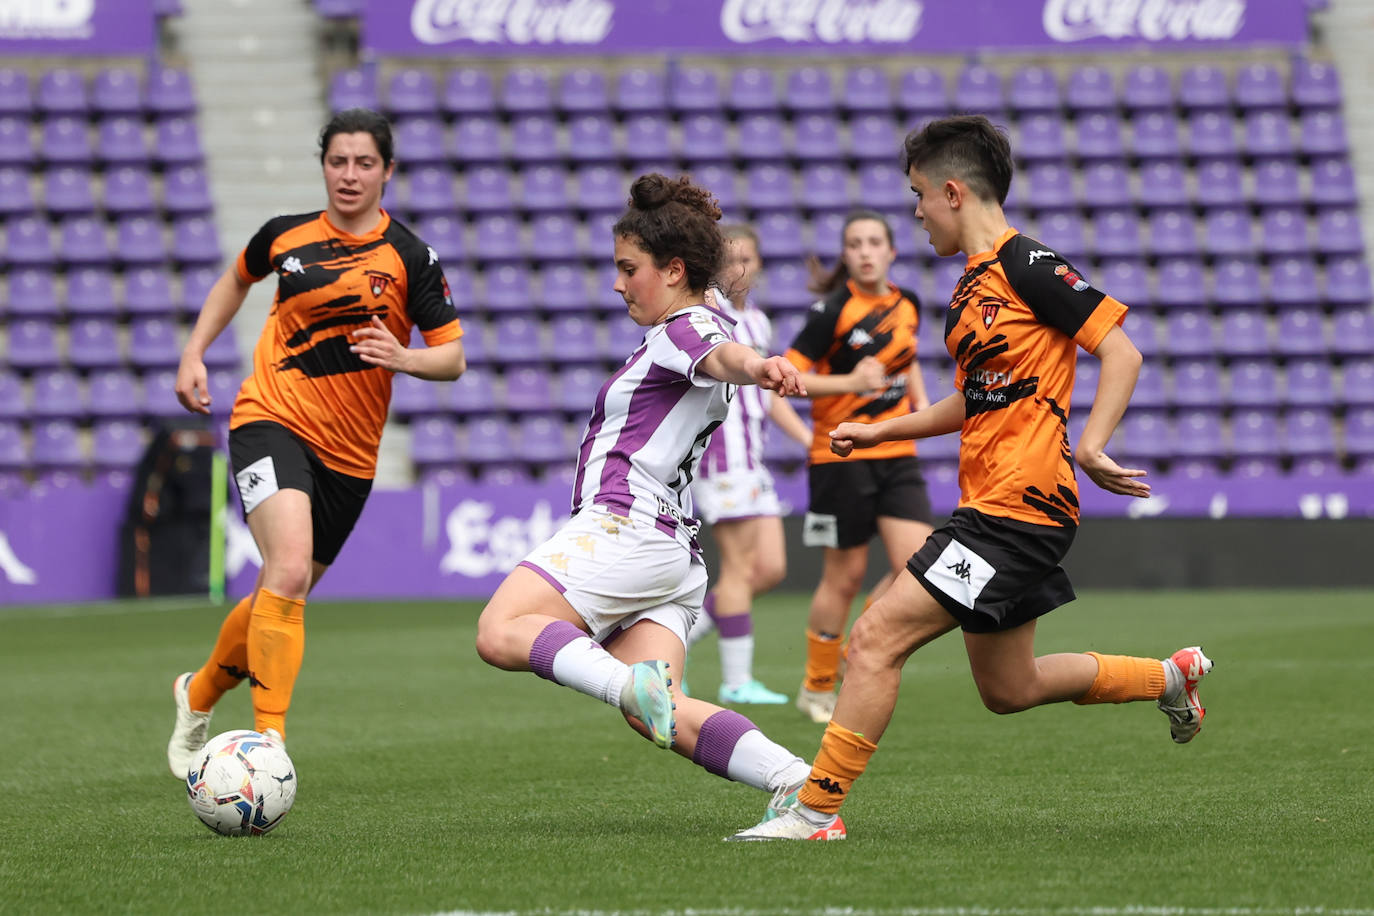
740 365
1120 368
945 416
377 346
867 375
222 303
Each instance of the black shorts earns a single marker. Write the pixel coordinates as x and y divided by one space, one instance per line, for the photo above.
994 574
847 497
268 457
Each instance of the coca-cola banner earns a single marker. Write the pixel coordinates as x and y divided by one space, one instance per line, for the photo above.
113 27
611 26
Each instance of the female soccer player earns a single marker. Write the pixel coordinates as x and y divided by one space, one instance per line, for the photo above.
351 282
734 490
605 604
1014 322
857 353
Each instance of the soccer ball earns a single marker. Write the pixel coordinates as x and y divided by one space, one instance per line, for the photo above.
241 783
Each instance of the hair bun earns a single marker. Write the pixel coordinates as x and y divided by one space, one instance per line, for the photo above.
649 192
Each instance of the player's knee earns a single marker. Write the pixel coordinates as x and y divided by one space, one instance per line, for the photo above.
1004 699
492 648
869 647
768 574
290 577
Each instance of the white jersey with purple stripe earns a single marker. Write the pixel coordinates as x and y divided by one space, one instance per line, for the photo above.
650 424
738 444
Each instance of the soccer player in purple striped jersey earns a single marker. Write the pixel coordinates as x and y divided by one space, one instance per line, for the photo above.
605 604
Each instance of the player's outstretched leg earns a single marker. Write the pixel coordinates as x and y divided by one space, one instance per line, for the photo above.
190 730
646 697
1181 705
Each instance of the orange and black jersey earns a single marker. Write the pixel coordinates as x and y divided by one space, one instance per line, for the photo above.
842 329
329 284
1013 325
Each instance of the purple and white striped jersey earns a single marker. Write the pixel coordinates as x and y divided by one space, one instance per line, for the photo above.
650 424
738 444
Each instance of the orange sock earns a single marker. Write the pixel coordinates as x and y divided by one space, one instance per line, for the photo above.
822 661
1123 678
276 645
228 661
841 760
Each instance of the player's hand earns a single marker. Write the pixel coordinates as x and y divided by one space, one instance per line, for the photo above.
869 374
848 436
193 391
377 346
1111 476
778 374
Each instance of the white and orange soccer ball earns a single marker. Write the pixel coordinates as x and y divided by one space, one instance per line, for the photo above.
241 783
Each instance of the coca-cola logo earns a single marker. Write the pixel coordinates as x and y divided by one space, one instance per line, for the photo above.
828 21
1151 20
518 22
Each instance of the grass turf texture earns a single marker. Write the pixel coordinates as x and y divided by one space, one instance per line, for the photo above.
431 783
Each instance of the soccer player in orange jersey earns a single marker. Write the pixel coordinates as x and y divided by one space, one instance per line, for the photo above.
351 283
1014 322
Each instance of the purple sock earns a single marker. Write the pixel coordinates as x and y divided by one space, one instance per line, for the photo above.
709 605
735 625
717 739
546 645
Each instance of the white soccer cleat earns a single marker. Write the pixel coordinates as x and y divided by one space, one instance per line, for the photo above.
791 824
817 705
189 732
646 697
1184 709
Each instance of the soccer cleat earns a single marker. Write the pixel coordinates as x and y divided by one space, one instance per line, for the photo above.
817 705
751 692
646 697
791 824
1184 709
189 732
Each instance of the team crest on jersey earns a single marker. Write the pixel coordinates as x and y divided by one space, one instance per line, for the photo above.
377 281
448 295
990 306
1072 279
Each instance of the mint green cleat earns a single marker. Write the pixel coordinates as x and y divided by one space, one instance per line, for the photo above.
646 697
751 692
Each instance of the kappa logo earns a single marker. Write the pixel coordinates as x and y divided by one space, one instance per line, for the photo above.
292 265
253 479
1039 253
962 569
859 338
826 784
433 255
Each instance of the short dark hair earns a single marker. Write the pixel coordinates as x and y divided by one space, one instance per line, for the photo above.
827 281
357 121
967 147
673 218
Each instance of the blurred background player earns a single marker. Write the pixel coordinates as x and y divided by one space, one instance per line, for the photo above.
734 490
605 604
857 353
1016 319
304 432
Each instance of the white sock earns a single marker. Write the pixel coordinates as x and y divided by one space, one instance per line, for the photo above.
701 627
587 668
736 660
764 764
1173 680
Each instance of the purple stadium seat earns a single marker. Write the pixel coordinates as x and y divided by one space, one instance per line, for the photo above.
28 242
867 89
16 93
921 94
1338 232
526 90
1308 432
879 184
433 441
1260 86
540 438
1278 184
176 141
1125 280
121 141
1151 387
1253 383
1181 282
1090 89
444 234
1357 382
169 91
1333 184
1198 435
1144 435
1084 384
412 92
808 89
186 190
486 440
604 298
544 188
129 189
420 140
1196 383
705 140
13 403
1283 231
1065 233
599 188
1245 332
57 446
574 336
528 388
1203 86
1301 332
1268 134
535 138
196 283
116 444
508 290
1048 185
874 138
1237 282
646 139
1115 234
694 89
785 286
489 190
768 187
477 139
1172 234
116 90
761 137
62 91
1033 89
223 352
16 147
1254 434
153 343
622 336
468 91
823 187
583 90
1322 133
516 339
68 191
1348 281
1293 281
752 89
56 394
781 234
640 90
1154 135
1041 137
1099 137
113 393
65 141
84 241
562 287
978 90
1189 332
1220 183
816 137
1211 134
16 193
555 236
1147 87
1359 433
1163 184
353 88
1309 383
159 395
429 190
474 393
463 292
195 241
1228 232
591 139
496 237
575 388
415 397
32 293
91 291
1315 84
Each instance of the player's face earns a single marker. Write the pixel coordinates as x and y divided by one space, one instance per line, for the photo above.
643 286
934 214
354 176
742 263
868 254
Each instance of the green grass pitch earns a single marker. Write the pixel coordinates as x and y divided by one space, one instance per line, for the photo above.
431 783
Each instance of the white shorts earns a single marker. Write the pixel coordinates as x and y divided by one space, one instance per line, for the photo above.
746 493
616 571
